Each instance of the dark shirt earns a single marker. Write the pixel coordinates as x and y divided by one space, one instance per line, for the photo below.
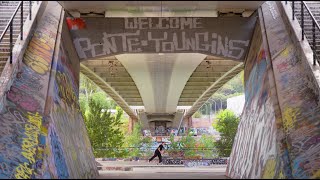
160 147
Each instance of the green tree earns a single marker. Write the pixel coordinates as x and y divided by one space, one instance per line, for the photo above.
103 130
207 146
188 143
226 124
87 87
134 141
196 115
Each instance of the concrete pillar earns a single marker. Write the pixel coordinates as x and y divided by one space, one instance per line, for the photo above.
132 122
130 127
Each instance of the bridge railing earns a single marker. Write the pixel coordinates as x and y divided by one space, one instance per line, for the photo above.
9 26
315 26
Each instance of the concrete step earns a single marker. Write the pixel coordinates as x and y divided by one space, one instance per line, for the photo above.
4 58
4 44
7 40
15 30
3 63
8 15
114 168
16 22
5 53
11 10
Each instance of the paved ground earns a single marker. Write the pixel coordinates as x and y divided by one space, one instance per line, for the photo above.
144 170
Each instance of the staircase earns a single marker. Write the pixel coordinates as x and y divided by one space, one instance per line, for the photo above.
314 7
7 9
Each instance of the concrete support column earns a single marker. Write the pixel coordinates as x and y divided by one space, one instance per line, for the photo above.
130 127
189 122
132 122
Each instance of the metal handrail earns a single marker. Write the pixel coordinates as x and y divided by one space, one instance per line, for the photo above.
314 25
10 25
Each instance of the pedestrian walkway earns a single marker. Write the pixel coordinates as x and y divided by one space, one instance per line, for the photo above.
144 170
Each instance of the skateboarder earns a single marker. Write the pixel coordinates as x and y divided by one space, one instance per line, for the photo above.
158 153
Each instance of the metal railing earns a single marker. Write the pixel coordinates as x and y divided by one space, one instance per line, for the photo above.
10 25
315 27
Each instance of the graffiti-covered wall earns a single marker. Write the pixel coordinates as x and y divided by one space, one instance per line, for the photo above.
71 156
278 135
298 93
254 153
43 135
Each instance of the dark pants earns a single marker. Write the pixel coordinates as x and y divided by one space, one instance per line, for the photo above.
156 153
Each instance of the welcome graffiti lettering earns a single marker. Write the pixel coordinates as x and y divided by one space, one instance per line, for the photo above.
132 43
165 35
163 23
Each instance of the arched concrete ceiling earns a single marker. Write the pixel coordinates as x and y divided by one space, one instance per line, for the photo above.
160 78
161 83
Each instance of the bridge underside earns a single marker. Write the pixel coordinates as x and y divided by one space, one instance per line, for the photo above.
160 65
42 130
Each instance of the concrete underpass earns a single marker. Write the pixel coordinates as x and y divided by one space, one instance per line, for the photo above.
160 62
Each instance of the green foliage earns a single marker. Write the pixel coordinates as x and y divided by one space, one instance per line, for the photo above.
232 88
197 115
103 129
135 141
106 131
207 142
174 146
227 124
188 143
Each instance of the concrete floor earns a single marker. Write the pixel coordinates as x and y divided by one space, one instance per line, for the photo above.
144 170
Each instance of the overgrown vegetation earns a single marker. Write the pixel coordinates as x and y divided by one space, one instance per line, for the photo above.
137 143
103 127
226 124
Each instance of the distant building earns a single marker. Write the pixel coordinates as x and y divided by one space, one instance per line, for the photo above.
236 104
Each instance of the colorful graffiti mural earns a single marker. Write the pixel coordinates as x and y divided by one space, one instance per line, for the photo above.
22 139
298 94
33 139
71 139
289 145
254 152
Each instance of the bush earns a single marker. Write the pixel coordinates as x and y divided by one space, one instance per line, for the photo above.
227 124
197 115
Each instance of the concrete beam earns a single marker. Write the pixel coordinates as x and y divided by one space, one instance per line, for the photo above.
213 88
108 89
202 79
214 69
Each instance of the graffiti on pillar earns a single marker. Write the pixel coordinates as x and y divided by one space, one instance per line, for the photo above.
164 35
254 153
298 93
58 156
23 127
72 146
33 141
